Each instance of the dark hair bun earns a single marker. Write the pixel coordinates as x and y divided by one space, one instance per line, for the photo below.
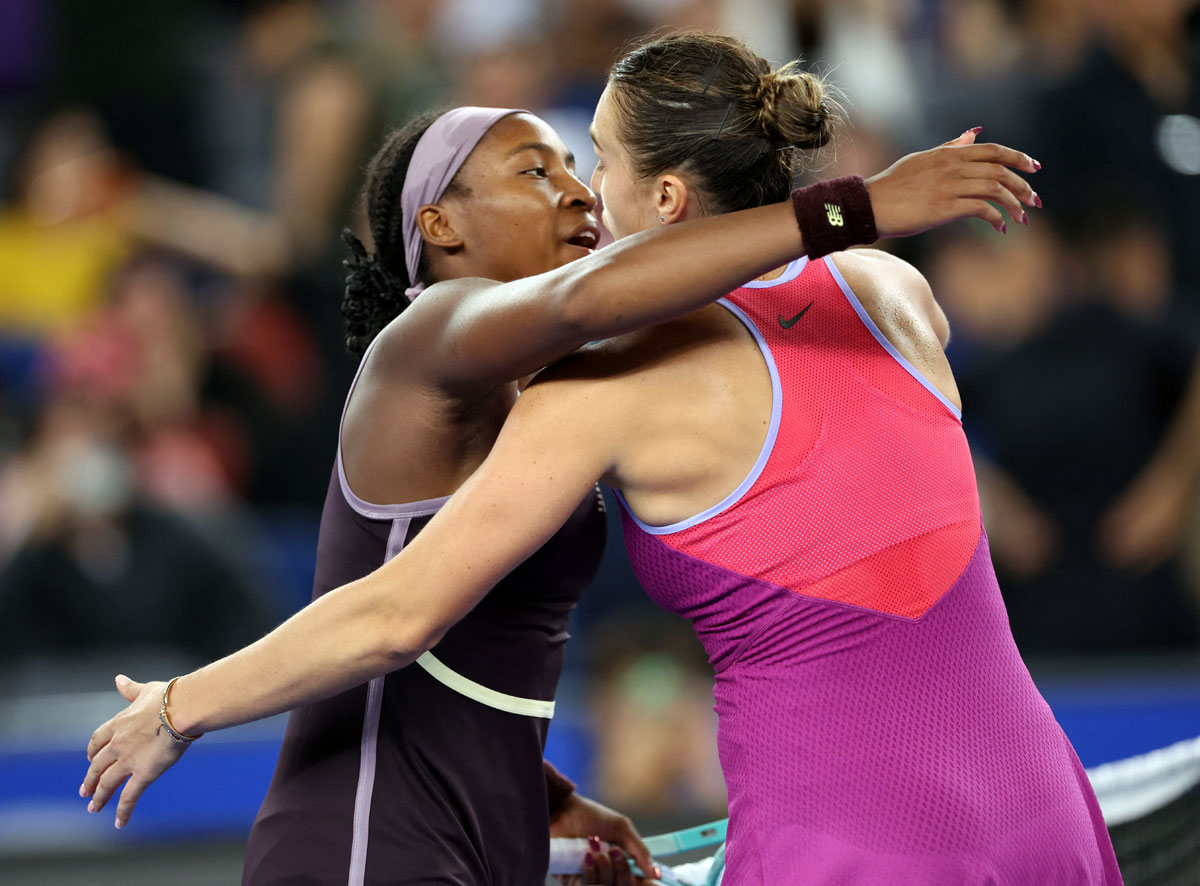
711 108
795 108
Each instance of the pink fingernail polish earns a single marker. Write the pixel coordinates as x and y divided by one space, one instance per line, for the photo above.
594 843
589 861
1003 227
976 129
1037 201
1036 166
615 854
1024 217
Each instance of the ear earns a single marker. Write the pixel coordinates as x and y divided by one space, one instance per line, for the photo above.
674 200
436 226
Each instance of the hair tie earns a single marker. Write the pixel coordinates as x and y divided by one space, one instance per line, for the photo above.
760 91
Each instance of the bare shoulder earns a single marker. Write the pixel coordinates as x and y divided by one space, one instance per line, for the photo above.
414 337
888 283
866 269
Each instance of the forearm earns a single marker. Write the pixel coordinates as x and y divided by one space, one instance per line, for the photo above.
384 620
483 332
665 273
341 640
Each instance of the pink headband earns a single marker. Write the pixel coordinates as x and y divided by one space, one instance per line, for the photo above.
439 154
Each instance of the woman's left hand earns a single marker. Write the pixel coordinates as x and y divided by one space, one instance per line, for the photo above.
582 817
129 746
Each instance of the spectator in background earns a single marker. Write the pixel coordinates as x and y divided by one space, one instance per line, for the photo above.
137 65
1082 401
131 463
89 565
404 56
287 189
1087 496
651 712
59 239
1135 103
299 115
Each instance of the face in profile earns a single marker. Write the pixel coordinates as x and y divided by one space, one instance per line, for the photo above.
523 210
627 199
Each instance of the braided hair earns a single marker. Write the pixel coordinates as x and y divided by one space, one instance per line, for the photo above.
375 282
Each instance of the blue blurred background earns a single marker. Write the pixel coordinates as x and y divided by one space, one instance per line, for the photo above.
173 178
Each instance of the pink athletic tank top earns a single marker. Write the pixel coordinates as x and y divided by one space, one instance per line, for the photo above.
877 724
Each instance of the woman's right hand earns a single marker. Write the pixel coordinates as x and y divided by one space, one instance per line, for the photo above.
132 746
958 179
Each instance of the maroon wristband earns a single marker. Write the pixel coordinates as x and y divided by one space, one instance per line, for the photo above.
834 215
558 788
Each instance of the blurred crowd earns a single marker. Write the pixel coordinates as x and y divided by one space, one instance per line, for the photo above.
175 176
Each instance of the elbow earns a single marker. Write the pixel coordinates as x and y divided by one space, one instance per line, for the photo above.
404 641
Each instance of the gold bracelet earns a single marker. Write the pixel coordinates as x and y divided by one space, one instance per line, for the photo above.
164 720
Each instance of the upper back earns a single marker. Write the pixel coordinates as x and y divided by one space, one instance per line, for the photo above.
804 438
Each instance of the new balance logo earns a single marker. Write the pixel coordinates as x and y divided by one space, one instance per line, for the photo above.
834 213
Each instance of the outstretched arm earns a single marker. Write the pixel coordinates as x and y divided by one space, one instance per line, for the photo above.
478 331
548 457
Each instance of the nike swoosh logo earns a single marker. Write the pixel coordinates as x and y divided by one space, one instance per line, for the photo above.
788 324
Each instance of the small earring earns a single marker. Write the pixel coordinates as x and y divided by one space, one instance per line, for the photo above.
662 220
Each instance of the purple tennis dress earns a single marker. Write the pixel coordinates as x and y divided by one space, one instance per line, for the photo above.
407 780
877 724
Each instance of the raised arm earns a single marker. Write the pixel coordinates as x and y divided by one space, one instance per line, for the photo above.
548 457
478 331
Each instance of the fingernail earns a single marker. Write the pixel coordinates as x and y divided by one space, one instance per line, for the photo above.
615 854
119 824
92 806
121 679
657 869
83 790
589 861
1037 201
1036 166
1003 227
976 129
594 843
1024 217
